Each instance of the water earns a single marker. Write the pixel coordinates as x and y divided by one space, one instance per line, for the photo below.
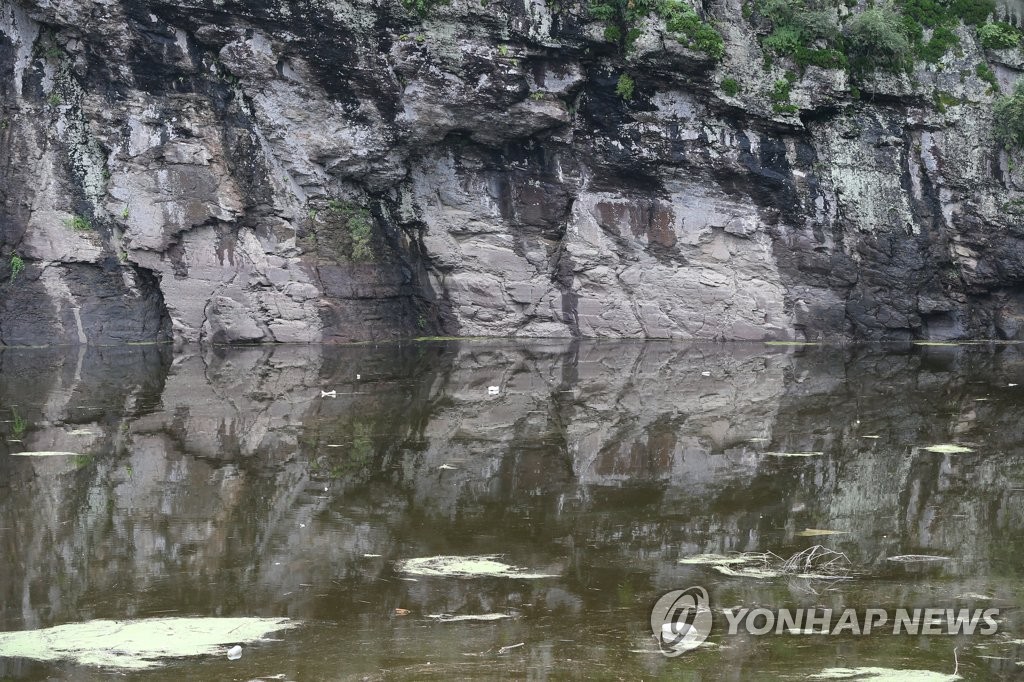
206 485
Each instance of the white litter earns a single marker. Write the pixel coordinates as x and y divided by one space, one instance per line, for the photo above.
234 653
493 390
328 394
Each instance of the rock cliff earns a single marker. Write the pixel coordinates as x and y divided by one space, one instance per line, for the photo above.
334 170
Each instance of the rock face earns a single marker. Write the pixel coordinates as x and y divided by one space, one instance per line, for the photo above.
270 171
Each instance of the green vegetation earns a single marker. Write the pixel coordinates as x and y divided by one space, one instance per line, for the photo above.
933 13
1009 119
985 73
54 100
730 86
689 30
17 265
681 21
805 30
999 35
943 100
877 39
887 36
18 425
780 94
357 225
941 42
624 88
78 224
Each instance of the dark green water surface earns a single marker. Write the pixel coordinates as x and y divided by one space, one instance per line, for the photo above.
205 485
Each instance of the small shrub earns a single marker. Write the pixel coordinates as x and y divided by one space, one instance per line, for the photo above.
730 86
941 42
612 33
624 88
944 100
17 265
54 100
780 94
877 39
78 224
972 12
999 35
686 26
1009 119
985 73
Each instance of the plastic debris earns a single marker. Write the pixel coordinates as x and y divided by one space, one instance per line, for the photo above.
234 653
493 390
328 394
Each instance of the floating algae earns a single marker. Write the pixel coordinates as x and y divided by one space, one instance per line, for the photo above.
468 618
136 644
947 449
45 453
794 454
883 675
482 566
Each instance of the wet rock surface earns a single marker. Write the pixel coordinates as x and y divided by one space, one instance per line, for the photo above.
294 172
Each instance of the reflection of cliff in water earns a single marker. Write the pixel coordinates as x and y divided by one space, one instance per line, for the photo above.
210 483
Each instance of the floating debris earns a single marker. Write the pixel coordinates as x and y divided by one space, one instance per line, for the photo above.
794 454
372 556
883 675
402 612
47 454
234 653
81 432
813 563
872 437
493 390
510 647
947 449
328 394
705 374
447 467
814 532
715 559
468 618
915 558
482 566
137 644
